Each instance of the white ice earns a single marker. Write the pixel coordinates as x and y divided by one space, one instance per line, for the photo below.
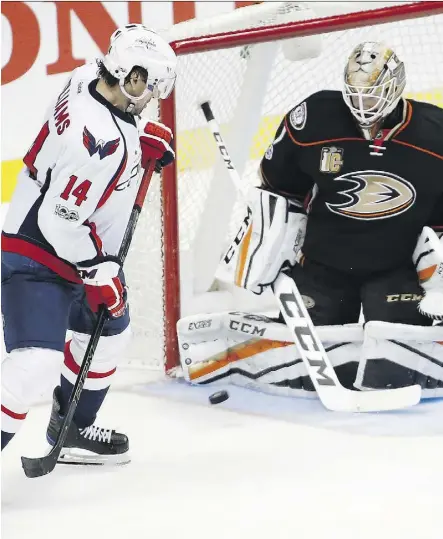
255 466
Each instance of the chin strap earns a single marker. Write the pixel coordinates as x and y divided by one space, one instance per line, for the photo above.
133 100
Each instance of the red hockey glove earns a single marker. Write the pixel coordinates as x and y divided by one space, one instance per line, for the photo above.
155 140
103 286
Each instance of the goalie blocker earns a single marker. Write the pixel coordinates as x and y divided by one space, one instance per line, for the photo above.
270 236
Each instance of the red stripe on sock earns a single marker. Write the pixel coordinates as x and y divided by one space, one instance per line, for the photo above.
12 414
73 367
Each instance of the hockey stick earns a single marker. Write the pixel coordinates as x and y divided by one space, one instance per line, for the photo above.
36 467
329 389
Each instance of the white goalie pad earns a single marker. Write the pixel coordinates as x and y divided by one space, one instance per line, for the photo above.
270 235
407 354
255 352
428 260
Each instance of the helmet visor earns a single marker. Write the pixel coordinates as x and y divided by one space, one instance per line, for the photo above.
161 88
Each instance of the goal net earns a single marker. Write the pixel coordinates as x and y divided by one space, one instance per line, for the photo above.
253 65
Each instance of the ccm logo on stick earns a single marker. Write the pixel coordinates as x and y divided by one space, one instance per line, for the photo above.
305 339
223 150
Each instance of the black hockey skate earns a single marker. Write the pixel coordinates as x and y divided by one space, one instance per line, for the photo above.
92 445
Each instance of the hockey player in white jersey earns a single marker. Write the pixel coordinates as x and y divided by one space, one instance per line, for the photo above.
62 233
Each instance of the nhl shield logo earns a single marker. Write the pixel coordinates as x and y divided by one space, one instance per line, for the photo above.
298 116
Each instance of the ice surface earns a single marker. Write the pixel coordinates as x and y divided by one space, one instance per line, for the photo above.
254 466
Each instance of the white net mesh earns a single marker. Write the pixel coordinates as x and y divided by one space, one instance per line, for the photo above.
250 89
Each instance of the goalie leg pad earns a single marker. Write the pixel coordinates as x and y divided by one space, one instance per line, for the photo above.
253 351
400 355
208 346
271 235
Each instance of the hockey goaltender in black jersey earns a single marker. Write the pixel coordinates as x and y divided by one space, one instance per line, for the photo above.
350 206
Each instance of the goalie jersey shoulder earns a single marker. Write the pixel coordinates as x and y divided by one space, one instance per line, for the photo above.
423 127
321 117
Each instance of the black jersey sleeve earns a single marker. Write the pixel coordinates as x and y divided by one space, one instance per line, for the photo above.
280 167
436 220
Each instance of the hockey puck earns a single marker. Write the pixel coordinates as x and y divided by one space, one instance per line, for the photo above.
219 396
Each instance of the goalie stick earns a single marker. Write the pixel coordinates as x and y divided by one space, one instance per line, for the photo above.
331 393
36 467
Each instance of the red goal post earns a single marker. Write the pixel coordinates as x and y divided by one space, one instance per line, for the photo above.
250 36
184 194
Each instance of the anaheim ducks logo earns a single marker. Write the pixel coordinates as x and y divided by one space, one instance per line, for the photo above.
374 195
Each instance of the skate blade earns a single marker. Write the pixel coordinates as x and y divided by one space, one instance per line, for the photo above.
83 457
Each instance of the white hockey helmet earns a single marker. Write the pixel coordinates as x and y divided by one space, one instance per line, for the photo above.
374 80
136 45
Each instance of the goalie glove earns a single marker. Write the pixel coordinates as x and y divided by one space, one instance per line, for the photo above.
103 285
269 237
428 260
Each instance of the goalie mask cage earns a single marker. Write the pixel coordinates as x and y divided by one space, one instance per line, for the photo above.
253 65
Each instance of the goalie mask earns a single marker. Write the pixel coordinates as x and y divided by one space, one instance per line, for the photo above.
374 80
136 45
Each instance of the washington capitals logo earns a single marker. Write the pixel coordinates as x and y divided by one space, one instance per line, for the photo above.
103 148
